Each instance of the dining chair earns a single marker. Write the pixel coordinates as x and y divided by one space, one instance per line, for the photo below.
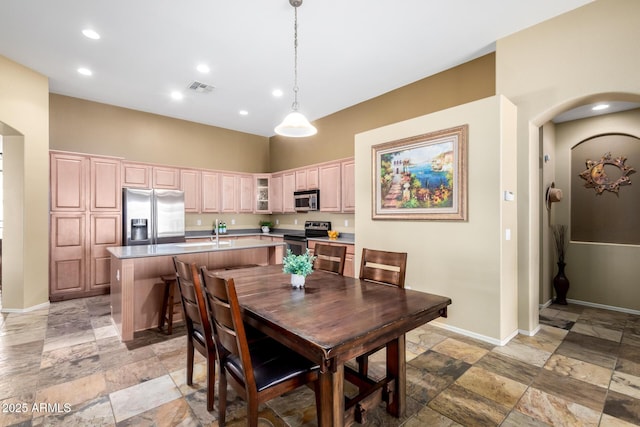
384 267
258 372
329 258
199 328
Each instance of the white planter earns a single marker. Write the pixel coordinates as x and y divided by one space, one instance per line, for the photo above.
297 280
265 229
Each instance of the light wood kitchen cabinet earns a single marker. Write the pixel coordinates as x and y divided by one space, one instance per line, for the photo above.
307 179
330 187
105 190
190 181
228 193
349 268
276 193
247 195
165 178
68 255
136 175
348 186
68 178
105 231
288 187
262 185
210 192
84 221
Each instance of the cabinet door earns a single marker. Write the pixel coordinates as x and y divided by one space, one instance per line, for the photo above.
68 254
276 193
105 184
210 192
228 193
349 186
288 187
68 182
136 175
262 185
247 195
190 184
313 181
301 180
105 231
330 194
166 178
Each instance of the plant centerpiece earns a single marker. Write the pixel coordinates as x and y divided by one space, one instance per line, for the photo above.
560 282
266 226
299 266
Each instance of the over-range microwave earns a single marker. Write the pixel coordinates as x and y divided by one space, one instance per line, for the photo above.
306 201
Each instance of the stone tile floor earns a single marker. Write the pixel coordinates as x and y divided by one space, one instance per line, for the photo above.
65 366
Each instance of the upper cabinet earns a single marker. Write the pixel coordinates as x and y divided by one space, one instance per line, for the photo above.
275 186
330 187
228 192
105 184
349 186
190 182
262 184
165 178
307 179
288 187
210 191
136 175
68 181
247 195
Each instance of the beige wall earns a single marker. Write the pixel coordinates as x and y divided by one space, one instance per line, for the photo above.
468 82
25 118
547 69
90 127
469 261
547 215
613 279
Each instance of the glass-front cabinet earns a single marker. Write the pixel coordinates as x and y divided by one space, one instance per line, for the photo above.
263 192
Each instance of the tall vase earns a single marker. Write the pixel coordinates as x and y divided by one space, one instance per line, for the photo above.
561 285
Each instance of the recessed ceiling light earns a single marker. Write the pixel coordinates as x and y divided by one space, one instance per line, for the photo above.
600 107
84 71
89 33
243 112
277 93
177 95
203 68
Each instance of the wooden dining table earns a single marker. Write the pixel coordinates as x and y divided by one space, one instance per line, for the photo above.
332 320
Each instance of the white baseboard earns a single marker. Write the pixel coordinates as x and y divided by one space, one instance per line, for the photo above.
604 307
25 310
470 334
545 305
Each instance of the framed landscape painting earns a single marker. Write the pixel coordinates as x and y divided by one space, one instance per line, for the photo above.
423 177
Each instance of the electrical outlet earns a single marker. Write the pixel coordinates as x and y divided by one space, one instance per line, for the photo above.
233 221
346 222
295 222
199 222
277 221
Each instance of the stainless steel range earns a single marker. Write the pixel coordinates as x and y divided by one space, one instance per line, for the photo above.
298 242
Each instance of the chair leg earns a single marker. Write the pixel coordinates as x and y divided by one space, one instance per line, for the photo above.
252 412
163 310
190 355
363 365
316 389
222 396
211 381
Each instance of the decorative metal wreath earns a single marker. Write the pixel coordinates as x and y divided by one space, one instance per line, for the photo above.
597 178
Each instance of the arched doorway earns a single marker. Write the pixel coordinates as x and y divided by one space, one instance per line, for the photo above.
561 129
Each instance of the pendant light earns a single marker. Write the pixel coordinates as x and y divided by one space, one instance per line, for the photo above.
295 124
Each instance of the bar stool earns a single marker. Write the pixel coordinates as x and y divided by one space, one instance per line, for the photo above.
170 304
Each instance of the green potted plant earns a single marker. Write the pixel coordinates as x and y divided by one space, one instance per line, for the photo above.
299 266
266 226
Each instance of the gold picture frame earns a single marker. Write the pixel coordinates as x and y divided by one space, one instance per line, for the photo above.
423 177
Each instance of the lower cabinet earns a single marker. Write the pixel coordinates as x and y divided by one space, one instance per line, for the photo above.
80 265
349 268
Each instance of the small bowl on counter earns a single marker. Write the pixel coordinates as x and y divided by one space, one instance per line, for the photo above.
333 235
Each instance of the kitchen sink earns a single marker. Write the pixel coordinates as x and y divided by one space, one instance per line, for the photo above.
203 244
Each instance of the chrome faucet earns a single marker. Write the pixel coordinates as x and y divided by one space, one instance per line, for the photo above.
216 230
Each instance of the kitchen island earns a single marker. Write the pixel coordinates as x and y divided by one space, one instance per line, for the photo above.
136 293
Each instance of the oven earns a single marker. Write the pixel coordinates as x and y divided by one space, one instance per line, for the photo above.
297 242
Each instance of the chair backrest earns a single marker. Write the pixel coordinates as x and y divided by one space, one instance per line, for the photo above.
383 267
226 317
193 302
329 258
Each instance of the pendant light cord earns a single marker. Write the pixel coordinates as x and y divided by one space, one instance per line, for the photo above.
294 106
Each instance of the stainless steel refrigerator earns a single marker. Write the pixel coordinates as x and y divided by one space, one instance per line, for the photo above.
152 216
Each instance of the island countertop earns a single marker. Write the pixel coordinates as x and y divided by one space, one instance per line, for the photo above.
170 249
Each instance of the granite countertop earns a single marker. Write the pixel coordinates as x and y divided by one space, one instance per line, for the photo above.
170 249
346 239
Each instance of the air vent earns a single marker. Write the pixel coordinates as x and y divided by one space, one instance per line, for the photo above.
200 87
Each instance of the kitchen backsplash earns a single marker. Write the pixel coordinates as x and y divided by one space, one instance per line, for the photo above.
340 222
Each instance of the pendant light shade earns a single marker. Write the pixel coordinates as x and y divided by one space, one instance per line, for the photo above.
295 125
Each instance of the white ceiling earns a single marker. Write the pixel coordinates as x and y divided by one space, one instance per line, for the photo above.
349 51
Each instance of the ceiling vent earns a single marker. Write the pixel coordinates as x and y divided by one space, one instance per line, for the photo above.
200 87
